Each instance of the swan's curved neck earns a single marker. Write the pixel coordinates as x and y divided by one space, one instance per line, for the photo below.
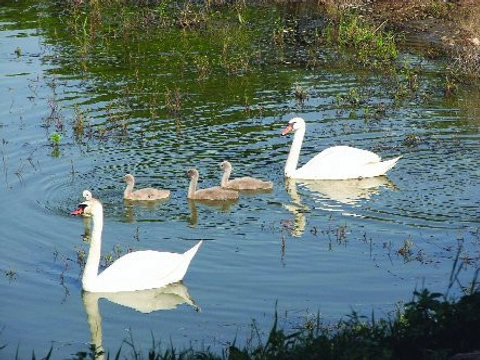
90 302
128 190
192 188
90 272
294 154
226 176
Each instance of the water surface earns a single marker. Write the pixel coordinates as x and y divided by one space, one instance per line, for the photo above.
304 248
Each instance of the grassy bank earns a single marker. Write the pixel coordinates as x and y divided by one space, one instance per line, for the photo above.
430 326
446 29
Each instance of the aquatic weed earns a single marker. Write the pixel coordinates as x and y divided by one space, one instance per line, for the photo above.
11 275
363 43
55 139
450 87
173 100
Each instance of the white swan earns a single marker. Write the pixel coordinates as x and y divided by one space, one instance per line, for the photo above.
334 163
139 270
145 194
87 195
242 183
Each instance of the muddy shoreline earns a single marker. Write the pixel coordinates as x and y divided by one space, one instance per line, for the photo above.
449 28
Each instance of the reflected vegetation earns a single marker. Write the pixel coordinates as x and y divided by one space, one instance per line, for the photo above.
145 301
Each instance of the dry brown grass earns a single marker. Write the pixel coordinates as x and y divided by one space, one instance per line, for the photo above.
466 53
471 21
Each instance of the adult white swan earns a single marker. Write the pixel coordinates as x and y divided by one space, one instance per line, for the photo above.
334 163
138 270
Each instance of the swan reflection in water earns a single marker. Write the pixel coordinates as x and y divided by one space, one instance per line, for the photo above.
144 301
333 195
223 205
132 206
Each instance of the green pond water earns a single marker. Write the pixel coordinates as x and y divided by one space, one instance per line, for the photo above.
124 95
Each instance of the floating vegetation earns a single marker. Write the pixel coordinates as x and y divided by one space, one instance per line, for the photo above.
80 124
115 254
55 139
173 101
411 140
11 275
450 87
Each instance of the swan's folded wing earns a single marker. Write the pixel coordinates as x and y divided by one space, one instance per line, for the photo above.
346 155
338 162
141 269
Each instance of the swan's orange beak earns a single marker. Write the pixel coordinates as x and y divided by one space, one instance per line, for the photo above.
80 210
288 129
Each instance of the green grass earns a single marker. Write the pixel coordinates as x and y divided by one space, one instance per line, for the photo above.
364 43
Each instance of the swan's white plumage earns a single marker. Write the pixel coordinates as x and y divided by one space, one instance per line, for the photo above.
139 270
334 163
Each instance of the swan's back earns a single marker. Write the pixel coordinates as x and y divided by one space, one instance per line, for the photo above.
242 183
248 183
214 193
344 162
142 270
144 194
148 194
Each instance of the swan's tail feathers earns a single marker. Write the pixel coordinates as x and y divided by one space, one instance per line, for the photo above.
183 264
388 164
189 254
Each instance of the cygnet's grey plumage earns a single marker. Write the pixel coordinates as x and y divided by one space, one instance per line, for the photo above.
212 193
145 194
242 183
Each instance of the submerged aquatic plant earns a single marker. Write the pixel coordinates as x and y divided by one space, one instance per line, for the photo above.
55 139
11 274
